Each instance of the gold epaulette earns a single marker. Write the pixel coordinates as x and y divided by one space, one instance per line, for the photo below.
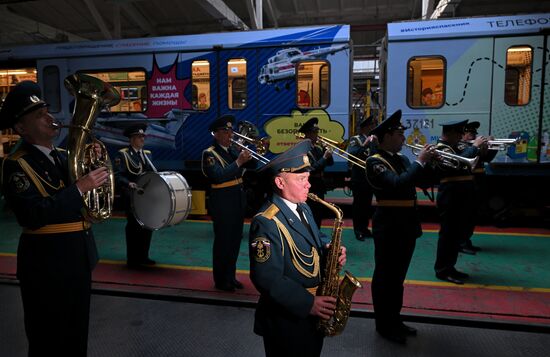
16 155
60 149
147 151
270 212
211 148
123 150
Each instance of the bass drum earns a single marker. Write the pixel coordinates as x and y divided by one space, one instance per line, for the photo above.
162 199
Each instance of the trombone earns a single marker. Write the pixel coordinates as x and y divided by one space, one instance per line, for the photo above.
247 133
499 144
448 160
337 150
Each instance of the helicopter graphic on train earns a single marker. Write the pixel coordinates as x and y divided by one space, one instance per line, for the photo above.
282 66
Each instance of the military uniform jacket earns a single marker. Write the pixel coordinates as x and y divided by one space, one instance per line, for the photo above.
394 179
40 195
220 166
284 264
362 152
128 167
318 162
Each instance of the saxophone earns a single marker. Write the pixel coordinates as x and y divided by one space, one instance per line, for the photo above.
331 286
91 94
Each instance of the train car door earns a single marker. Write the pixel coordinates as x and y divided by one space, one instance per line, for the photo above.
516 95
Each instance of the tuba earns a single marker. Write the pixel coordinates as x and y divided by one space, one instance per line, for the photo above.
331 286
85 153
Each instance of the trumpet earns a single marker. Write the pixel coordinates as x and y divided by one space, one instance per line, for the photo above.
499 144
448 160
337 149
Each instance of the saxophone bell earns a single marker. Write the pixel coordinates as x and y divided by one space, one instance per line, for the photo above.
331 285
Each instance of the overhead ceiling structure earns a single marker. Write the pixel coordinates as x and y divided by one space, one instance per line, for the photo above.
45 21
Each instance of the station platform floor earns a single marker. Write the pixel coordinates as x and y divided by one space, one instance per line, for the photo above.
144 327
509 278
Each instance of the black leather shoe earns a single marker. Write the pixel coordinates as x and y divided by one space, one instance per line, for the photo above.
459 274
225 287
367 233
237 284
360 237
393 334
467 250
148 261
409 330
449 277
474 248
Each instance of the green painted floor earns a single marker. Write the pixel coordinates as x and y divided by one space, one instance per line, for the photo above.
512 257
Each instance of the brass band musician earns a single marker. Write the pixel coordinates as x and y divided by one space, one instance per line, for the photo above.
130 163
454 198
396 224
224 165
286 251
57 250
362 146
320 158
480 196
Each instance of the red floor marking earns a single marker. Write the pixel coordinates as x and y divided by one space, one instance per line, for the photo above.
478 303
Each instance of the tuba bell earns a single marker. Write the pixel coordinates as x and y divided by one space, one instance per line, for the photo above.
85 153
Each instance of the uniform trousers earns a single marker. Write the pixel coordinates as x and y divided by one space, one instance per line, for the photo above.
288 335
56 313
138 240
457 212
394 245
227 208
362 206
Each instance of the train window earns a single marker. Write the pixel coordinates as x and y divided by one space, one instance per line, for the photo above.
517 82
52 92
426 82
313 82
132 87
236 83
10 77
200 79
